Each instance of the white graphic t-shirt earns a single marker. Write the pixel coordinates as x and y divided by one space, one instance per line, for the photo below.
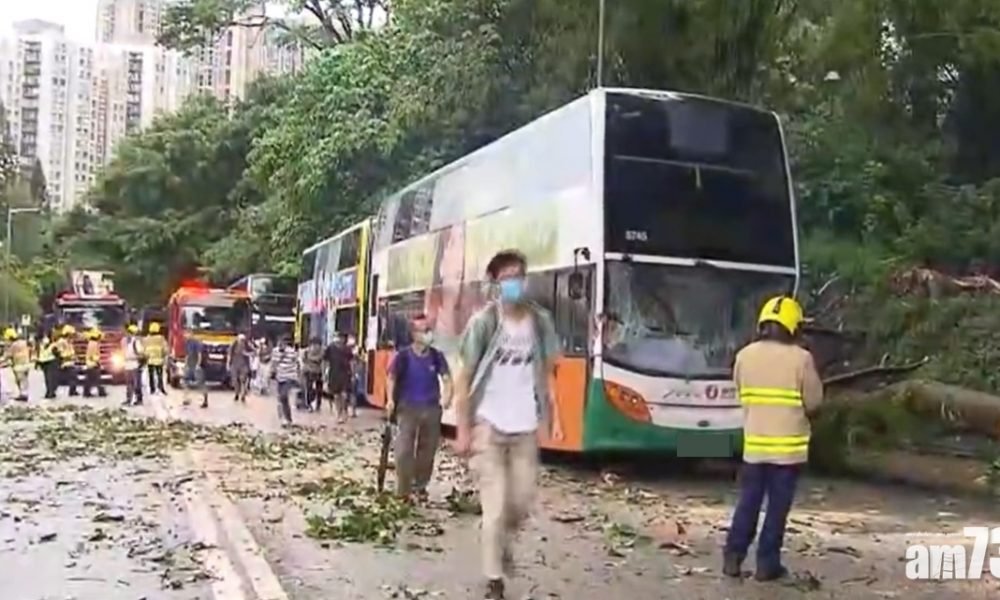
509 396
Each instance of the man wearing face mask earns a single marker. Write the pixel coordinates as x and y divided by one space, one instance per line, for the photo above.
504 396
417 376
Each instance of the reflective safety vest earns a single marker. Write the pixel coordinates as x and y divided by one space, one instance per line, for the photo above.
20 355
66 352
45 353
156 346
778 385
93 356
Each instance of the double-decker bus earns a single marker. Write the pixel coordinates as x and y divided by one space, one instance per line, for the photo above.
212 315
654 223
332 286
273 303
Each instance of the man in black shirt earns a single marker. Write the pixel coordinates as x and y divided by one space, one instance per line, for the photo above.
338 359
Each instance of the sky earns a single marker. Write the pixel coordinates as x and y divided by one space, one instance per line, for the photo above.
78 16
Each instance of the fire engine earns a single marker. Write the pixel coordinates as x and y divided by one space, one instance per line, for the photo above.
211 315
90 303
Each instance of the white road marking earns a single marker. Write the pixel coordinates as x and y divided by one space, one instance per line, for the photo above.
264 582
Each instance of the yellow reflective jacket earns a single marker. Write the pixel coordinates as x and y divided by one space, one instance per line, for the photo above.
778 384
156 346
45 352
67 353
93 356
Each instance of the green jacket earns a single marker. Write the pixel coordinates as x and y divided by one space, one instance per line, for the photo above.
478 350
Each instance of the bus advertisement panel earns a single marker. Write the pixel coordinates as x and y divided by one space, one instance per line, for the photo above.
332 286
665 222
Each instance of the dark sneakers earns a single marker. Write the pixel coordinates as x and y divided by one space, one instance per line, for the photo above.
732 565
494 589
770 573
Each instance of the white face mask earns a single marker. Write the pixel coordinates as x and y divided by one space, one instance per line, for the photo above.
425 337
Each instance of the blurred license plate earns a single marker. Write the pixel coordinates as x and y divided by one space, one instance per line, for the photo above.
703 444
217 356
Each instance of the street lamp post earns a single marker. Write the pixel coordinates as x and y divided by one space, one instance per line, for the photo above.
10 232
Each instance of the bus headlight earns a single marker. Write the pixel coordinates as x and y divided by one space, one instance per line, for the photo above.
627 401
117 361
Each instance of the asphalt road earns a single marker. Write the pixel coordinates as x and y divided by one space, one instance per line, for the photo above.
172 501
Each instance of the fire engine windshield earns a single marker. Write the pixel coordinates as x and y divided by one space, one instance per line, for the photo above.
85 317
216 319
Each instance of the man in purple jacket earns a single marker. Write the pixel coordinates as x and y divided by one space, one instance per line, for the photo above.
417 376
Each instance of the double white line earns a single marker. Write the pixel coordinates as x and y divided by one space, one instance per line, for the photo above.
219 526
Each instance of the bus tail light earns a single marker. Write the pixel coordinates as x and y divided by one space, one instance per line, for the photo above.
628 401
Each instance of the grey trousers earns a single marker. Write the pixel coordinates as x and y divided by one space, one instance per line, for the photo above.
416 446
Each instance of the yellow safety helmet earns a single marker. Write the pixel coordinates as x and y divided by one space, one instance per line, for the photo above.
68 330
154 328
133 328
782 310
10 334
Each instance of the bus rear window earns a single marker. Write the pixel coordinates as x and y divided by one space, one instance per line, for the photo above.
696 178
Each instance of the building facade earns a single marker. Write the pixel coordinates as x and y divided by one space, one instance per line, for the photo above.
69 104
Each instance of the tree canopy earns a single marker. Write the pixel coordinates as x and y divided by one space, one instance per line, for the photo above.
889 107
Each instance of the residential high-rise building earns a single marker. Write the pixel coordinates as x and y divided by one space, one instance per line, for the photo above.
46 93
129 21
69 104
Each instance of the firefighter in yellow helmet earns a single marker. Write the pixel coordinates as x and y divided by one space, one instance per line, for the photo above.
778 387
156 350
18 356
92 365
67 358
48 363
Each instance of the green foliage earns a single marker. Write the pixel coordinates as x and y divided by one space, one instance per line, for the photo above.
187 24
889 109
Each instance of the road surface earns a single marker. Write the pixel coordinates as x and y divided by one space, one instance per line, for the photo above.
175 502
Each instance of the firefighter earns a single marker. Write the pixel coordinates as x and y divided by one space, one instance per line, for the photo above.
48 364
779 388
92 363
156 349
67 358
134 359
18 356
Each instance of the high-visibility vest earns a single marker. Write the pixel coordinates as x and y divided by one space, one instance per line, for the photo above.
67 352
45 353
156 346
93 355
777 382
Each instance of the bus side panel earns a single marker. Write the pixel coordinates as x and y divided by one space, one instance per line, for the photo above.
380 371
571 389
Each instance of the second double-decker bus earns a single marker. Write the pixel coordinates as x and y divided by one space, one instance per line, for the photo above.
332 286
654 223
272 300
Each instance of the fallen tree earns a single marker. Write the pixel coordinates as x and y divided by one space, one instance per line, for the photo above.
917 431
